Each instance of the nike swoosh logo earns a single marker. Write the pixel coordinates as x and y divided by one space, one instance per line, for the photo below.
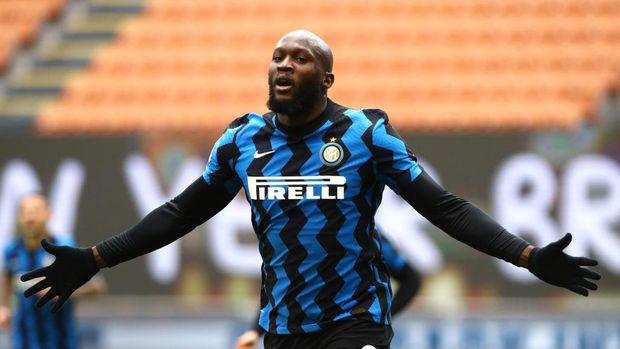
258 155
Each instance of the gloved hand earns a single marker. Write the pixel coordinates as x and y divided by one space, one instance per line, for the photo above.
552 265
72 268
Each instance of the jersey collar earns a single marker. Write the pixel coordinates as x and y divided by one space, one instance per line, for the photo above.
309 127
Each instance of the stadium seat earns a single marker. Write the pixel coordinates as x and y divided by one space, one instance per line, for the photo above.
436 66
19 22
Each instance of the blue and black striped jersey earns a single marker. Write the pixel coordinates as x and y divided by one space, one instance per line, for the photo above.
313 194
398 267
34 328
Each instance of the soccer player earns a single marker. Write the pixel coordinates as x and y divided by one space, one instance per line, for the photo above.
32 328
408 278
313 172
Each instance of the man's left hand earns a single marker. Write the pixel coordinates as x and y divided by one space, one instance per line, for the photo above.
553 266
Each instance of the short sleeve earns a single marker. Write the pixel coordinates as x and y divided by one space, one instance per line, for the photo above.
219 171
394 161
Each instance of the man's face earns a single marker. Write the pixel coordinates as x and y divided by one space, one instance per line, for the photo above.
33 216
295 78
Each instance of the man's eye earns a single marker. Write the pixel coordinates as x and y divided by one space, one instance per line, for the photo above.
301 60
277 59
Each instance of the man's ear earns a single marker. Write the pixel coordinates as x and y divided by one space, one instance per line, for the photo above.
328 80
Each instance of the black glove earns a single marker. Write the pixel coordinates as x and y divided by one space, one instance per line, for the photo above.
72 268
552 265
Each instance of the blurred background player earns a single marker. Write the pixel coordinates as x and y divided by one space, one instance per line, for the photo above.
408 278
33 328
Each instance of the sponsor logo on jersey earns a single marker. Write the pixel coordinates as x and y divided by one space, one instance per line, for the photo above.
331 153
297 187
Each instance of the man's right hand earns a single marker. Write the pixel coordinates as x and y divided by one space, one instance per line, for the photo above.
72 268
247 340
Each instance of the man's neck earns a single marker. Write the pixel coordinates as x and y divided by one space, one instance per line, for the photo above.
34 242
303 118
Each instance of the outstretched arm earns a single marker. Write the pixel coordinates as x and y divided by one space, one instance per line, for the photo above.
461 219
397 166
467 223
167 223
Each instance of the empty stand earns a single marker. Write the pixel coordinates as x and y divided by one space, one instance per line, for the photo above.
19 22
438 66
75 28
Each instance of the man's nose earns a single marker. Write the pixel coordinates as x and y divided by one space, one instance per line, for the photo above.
285 65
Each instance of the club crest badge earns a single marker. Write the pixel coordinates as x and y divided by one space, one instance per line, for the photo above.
331 153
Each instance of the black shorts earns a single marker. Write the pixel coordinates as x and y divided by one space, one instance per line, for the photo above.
345 334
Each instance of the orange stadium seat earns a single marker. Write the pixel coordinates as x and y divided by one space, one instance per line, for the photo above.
19 22
435 66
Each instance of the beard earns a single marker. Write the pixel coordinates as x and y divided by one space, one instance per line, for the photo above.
307 94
